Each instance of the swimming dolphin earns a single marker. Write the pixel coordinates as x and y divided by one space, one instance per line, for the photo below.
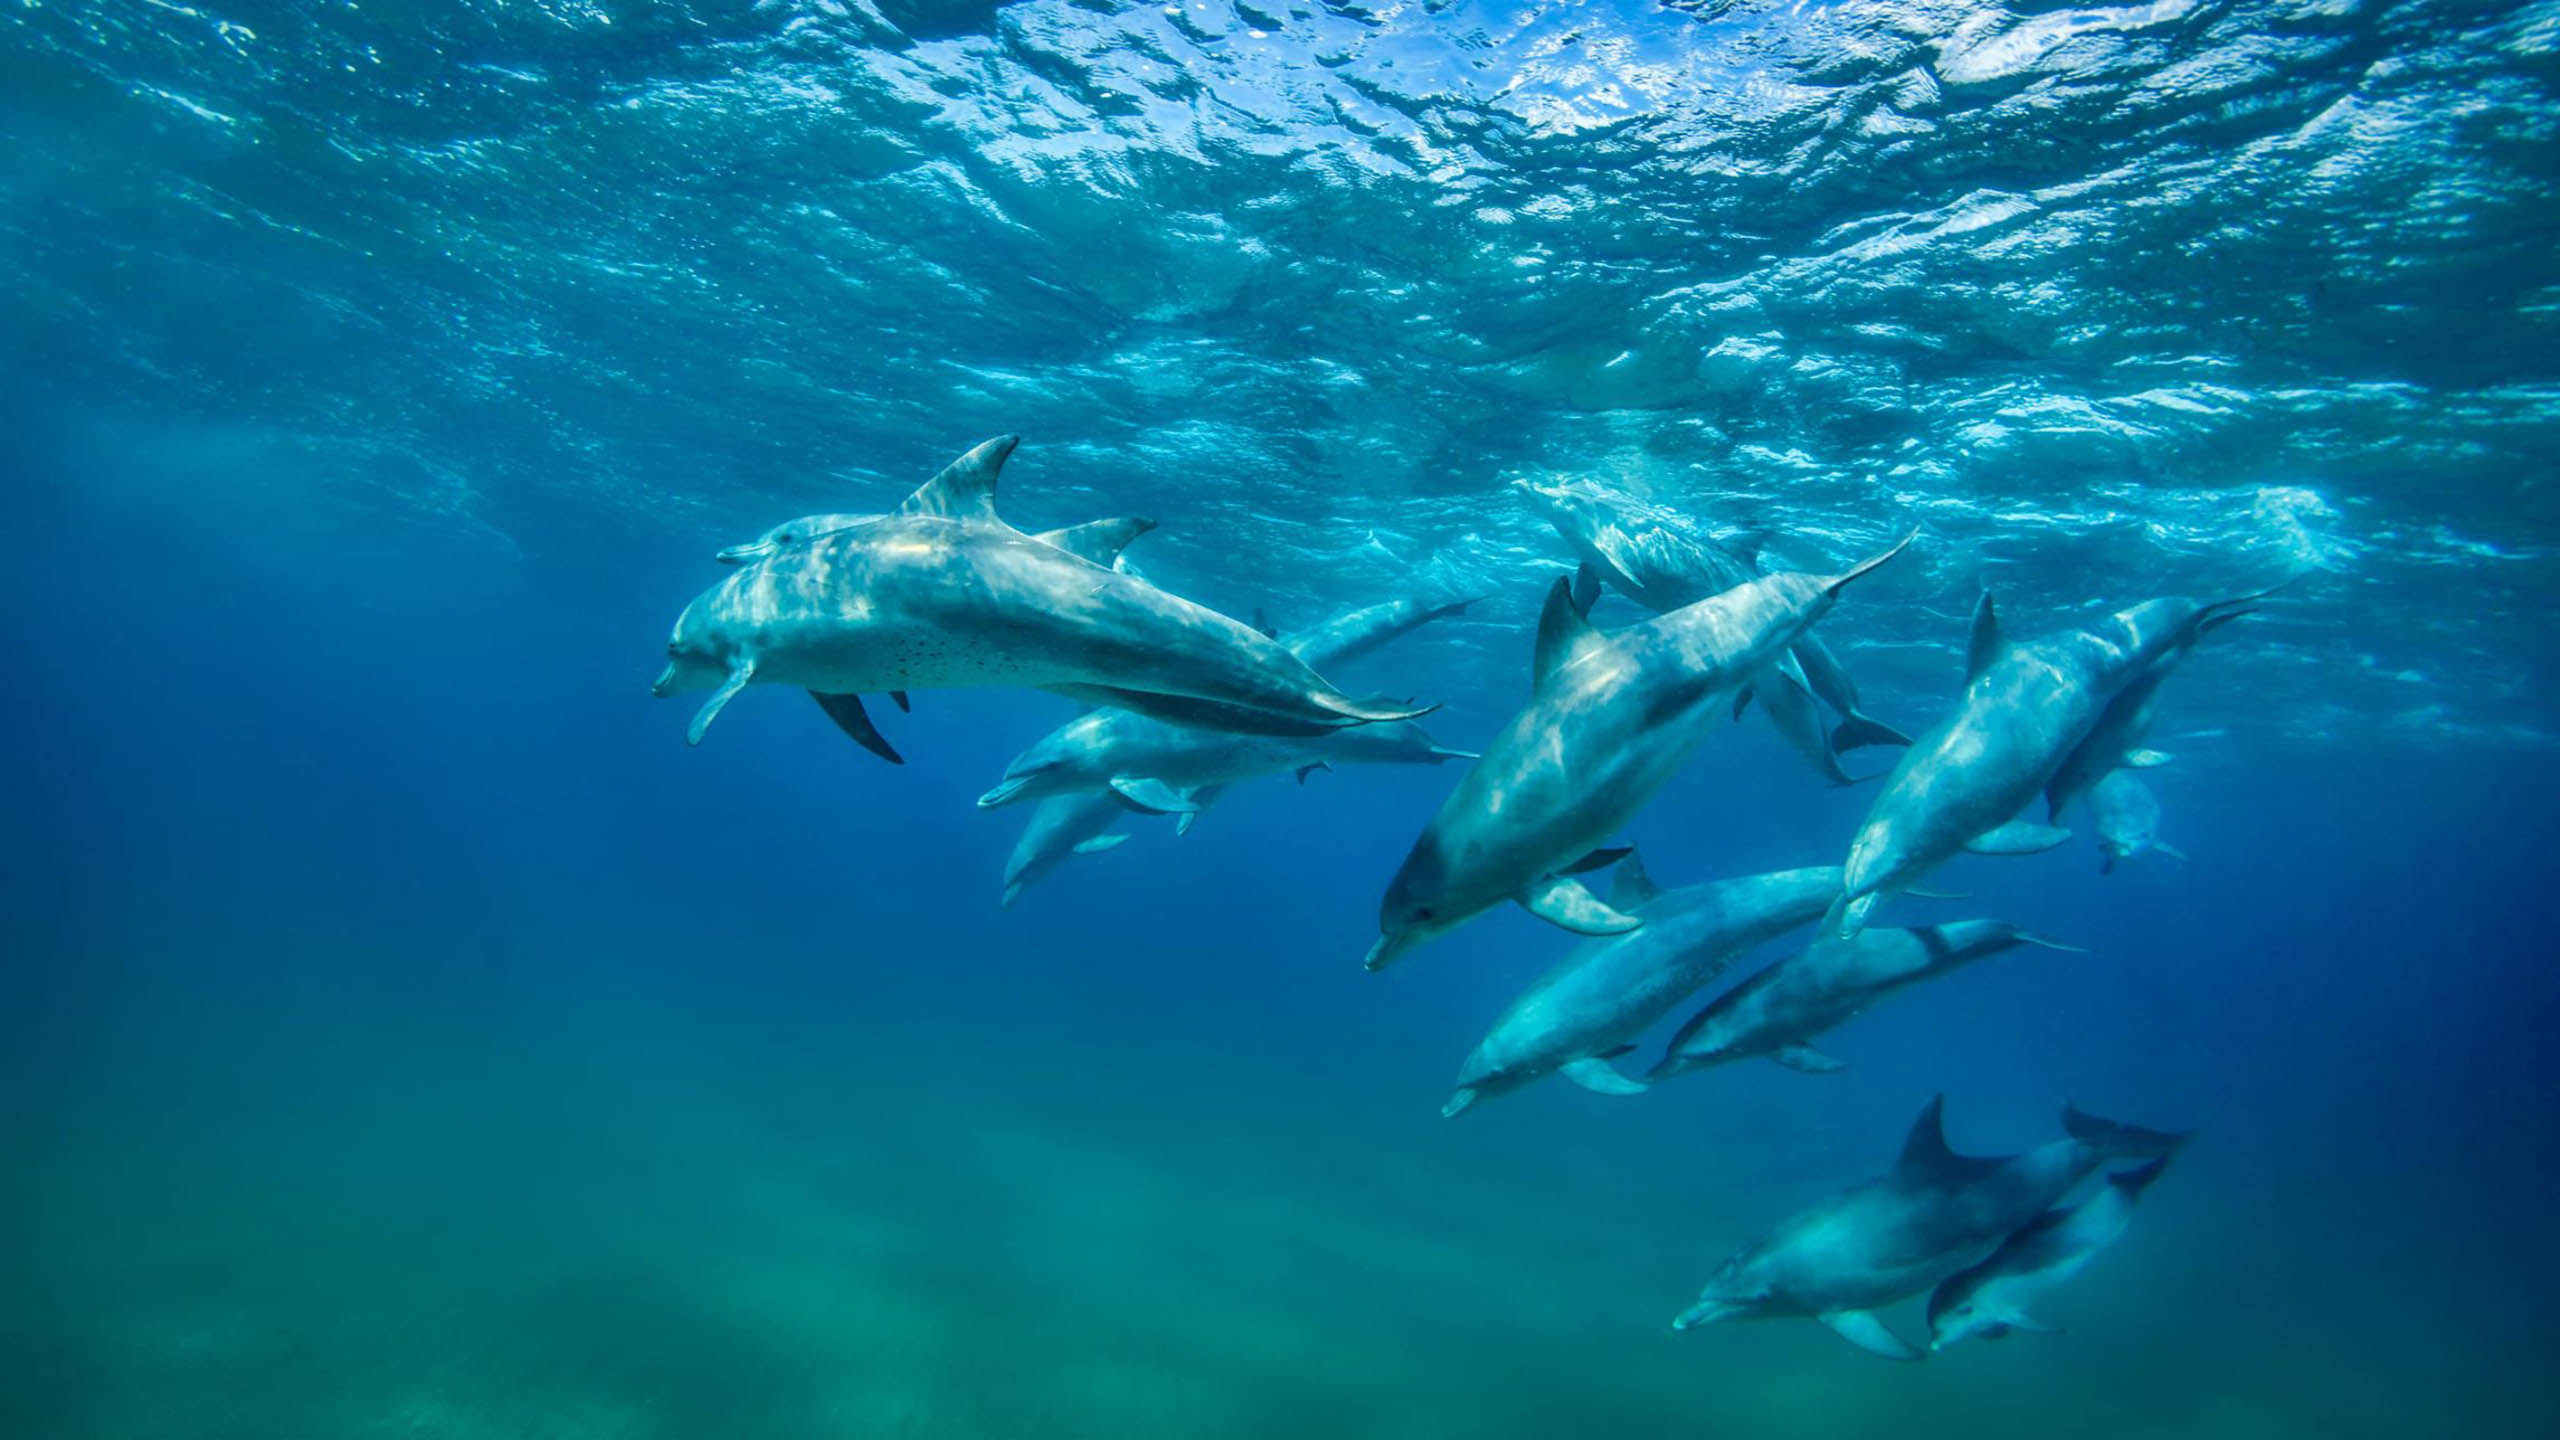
2123 729
1934 1214
2025 707
2126 816
1594 1004
1778 1012
1160 768
1610 718
1061 826
1990 1299
1660 560
945 594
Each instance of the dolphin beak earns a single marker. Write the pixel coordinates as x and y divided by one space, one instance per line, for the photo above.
665 684
1702 1313
1005 791
1384 953
741 554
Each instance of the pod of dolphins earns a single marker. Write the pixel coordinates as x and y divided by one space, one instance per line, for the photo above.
1184 702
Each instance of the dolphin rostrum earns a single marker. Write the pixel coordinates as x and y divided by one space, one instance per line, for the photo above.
1610 718
1991 1298
1610 989
1932 1215
2025 708
942 594
1778 1012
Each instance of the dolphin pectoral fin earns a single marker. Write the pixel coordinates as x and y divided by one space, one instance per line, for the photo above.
2173 852
852 719
1632 886
1439 753
1807 1059
1741 701
2022 1321
1565 903
1200 799
2018 837
2146 759
1860 731
965 489
899 699
1098 542
1599 859
1862 1329
1153 797
739 675
1459 1100
1375 711
1586 587
1100 843
1593 1074
1306 770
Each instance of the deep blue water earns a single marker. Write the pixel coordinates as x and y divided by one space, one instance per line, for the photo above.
408 1035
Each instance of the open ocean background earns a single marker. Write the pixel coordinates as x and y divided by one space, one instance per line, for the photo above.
405 1035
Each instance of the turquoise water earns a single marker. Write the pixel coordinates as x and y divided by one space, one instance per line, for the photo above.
408 1035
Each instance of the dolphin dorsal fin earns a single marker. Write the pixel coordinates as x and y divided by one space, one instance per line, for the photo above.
1926 1157
1986 642
966 488
1564 636
1099 541
1632 887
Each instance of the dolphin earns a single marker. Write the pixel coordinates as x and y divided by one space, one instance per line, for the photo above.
1990 1299
945 594
1659 559
1935 1213
1593 1004
1610 718
1778 1012
2127 817
1061 826
1159 768
2116 741
2025 707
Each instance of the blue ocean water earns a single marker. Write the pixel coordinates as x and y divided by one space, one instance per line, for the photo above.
407 1035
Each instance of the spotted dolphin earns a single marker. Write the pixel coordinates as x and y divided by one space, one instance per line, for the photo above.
1610 989
1991 1298
1610 718
2126 816
1662 561
1060 826
1934 1214
1159 768
1778 1012
944 594
2024 709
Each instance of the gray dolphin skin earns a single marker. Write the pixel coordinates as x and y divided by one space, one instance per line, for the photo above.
1159 768
1661 562
1610 718
1991 1299
2126 816
1778 1012
1934 1214
1061 826
944 594
1609 990
2025 708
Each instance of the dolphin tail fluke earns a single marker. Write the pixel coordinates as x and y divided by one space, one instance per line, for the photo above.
1459 1100
1860 731
1862 1329
2116 1139
1565 903
739 675
1597 1076
853 720
1835 583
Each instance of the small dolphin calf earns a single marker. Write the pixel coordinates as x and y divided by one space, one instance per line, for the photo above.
1778 1012
1611 717
2025 708
1608 990
1662 562
1061 826
2126 816
1159 768
1991 1299
943 594
1934 1214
